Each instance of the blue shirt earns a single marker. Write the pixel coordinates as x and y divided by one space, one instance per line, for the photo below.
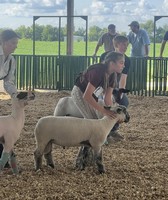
166 36
138 42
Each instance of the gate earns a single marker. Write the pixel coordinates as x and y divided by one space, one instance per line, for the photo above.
147 77
160 77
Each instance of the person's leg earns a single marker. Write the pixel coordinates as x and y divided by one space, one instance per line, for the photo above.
4 159
13 163
1 150
124 101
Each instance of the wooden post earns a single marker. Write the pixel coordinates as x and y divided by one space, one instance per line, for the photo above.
70 26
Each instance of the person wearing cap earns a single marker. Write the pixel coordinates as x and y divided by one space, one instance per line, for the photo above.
165 39
139 40
8 44
107 39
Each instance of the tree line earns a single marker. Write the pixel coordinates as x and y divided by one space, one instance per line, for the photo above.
50 33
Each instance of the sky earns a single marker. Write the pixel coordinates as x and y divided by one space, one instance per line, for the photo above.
15 13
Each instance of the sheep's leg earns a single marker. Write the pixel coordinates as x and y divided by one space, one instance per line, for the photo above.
79 160
98 156
13 163
48 155
49 160
84 158
87 156
38 159
4 159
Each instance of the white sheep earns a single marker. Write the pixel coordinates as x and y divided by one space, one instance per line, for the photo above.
67 107
10 128
71 131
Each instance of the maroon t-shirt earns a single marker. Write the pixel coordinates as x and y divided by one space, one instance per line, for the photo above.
95 74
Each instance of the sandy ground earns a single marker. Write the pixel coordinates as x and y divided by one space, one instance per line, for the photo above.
136 168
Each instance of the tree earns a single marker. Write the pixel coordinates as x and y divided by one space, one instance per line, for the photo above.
38 32
48 33
80 32
94 33
123 33
21 31
159 34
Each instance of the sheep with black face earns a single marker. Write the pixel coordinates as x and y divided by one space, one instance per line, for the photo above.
10 128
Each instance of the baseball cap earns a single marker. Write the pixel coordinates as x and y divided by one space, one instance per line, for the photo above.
134 23
111 26
8 34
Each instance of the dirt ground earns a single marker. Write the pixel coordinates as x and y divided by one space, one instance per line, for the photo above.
136 169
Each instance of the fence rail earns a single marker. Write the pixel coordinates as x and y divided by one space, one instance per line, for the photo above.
147 76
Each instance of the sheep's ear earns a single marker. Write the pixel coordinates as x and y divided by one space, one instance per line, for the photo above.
107 107
22 95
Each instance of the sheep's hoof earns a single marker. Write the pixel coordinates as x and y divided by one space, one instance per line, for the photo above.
38 169
80 166
101 171
51 166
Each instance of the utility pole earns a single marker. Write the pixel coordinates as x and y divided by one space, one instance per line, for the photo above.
70 26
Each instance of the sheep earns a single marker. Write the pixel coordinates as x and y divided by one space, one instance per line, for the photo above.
66 106
10 128
71 132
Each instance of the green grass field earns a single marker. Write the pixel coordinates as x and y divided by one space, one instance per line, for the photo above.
25 47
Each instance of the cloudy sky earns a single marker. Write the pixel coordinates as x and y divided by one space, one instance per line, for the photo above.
100 12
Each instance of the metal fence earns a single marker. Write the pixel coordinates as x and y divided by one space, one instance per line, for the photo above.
147 76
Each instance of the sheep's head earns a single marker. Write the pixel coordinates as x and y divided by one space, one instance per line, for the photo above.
25 97
121 111
123 114
117 93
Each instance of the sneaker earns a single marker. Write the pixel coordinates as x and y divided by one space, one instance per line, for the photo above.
115 136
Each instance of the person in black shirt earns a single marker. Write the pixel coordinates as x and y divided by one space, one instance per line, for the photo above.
102 76
120 43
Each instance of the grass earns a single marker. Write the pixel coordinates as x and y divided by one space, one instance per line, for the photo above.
25 47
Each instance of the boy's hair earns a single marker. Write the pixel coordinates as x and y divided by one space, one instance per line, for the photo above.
119 39
113 56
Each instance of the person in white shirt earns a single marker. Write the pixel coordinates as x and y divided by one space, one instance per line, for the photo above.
8 44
